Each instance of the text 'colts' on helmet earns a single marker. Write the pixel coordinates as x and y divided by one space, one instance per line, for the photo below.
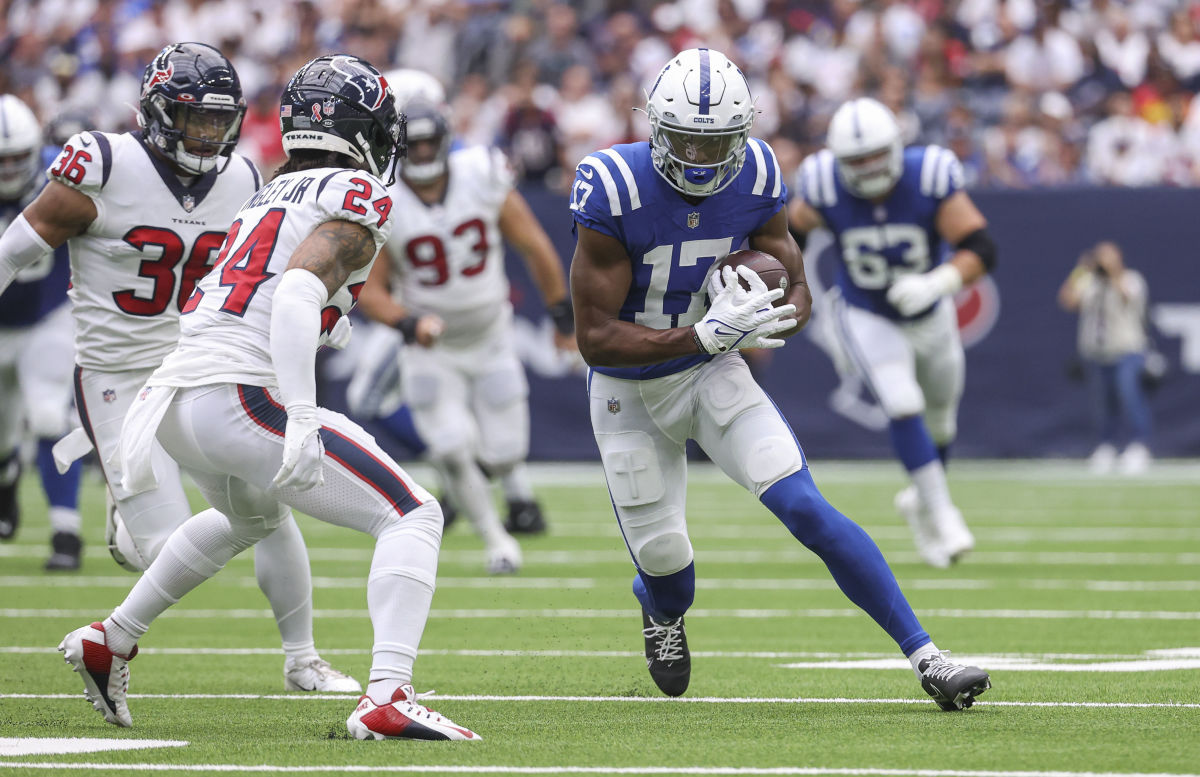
191 107
20 148
700 112
341 103
864 138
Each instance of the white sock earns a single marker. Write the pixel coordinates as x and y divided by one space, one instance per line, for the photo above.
516 484
468 489
925 651
399 593
194 552
65 519
930 481
284 575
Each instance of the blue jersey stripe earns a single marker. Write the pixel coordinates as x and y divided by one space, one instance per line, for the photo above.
705 81
105 156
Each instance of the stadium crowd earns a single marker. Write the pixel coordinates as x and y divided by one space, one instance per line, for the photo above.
1026 92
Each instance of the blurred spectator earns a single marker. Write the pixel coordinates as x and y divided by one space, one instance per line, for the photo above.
1111 301
586 122
1180 49
529 134
920 57
1125 149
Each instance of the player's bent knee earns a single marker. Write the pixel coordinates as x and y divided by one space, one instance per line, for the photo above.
942 424
631 467
902 401
665 554
48 420
770 460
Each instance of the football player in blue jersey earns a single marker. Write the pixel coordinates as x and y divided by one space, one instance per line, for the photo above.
907 237
653 220
36 350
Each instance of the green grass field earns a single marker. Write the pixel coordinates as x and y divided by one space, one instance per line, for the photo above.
1081 600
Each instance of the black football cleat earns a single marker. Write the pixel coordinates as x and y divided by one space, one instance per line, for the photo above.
667 655
524 517
953 686
10 511
66 548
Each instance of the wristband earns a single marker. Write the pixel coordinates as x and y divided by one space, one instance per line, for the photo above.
696 339
408 328
563 315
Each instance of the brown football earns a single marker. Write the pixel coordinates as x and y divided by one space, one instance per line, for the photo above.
769 269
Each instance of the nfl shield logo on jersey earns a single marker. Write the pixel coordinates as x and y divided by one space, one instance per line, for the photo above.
109 395
693 219
188 202
614 405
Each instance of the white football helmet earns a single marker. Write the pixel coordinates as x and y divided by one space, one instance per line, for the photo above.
20 147
700 112
407 83
864 137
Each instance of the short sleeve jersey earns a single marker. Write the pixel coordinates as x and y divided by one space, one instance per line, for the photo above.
673 242
152 239
225 330
448 257
876 242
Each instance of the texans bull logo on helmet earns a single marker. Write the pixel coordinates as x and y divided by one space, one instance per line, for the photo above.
372 86
159 76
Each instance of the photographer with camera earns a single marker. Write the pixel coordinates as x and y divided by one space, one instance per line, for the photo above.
1113 343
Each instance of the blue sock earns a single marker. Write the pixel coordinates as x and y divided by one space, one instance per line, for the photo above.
851 555
912 442
61 490
944 454
400 425
667 597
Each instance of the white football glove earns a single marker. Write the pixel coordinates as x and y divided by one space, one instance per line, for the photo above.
303 451
738 318
911 294
339 336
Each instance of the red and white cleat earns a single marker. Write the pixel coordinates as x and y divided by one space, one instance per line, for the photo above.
403 718
105 674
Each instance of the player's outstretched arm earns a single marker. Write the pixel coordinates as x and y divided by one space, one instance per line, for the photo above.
319 267
774 238
601 274
56 215
520 227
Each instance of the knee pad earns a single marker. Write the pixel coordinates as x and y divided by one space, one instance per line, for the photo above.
632 468
120 544
942 423
664 554
897 390
48 420
770 460
504 386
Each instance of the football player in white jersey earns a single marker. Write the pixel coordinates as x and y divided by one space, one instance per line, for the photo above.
235 403
906 237
36 353
464 383
143 215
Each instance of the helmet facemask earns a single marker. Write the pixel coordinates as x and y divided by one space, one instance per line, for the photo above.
197 138
428 142
698 163
18 170
874 173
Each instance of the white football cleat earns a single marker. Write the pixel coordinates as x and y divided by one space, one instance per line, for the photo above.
403 718
1103 459
957 540
315 674
105 674
503 555
1135 459
925 536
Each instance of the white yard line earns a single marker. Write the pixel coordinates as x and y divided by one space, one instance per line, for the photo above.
627 614
734 771
320 697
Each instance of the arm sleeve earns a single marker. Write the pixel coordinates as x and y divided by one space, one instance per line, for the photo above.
295 334
20 246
